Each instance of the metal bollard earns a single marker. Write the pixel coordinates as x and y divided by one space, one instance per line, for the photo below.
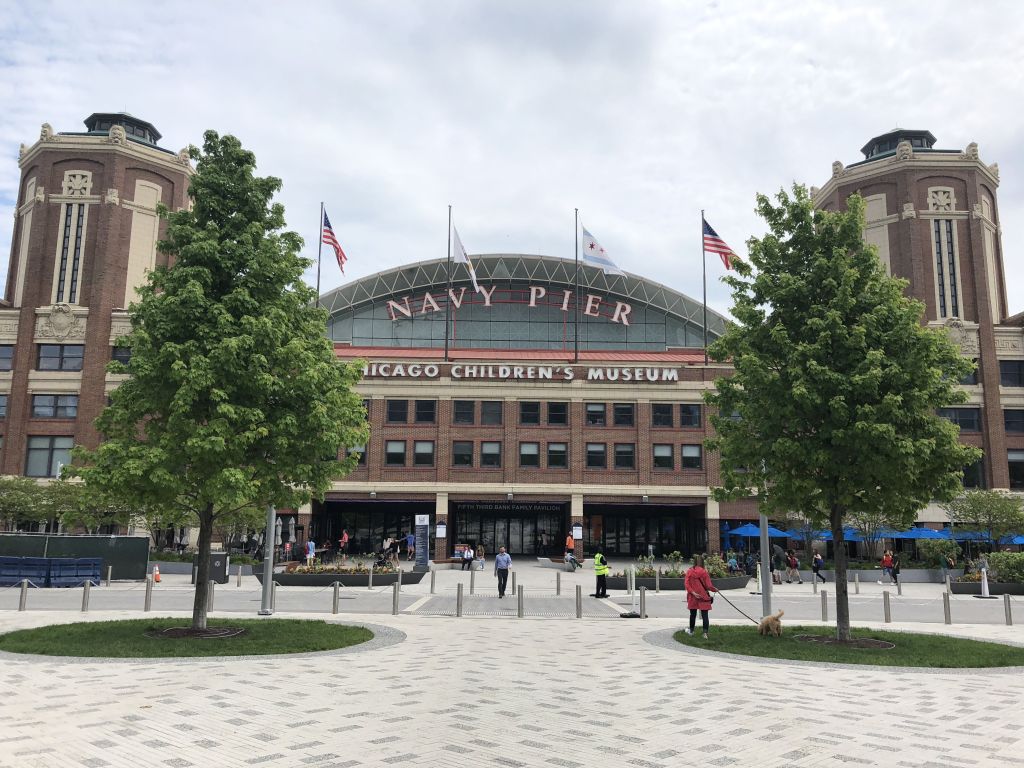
814 582
85 596
1007 610
947 616
337 596
558 582
110 573
513 582
433 582
856 583
519 594
824 605
209 593
885 606
369 580
643 602
394 599
949 585
23 600
458 599
899 588
398 581
657 580
273 596
149 594
632 579
238 583
579 601
472 581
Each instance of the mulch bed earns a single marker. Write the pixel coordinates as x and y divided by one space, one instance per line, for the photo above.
210 633
865 643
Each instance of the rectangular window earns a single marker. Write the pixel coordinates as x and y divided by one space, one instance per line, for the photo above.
490 454
690 457
1011 373
968 419
945 267
398 411
121 355
596 455
423 453
360 450
6 357
974 476
689 415
558 455
1013 418
529 413
558 413
3 406
426 411
462 453
54 406
622 414
663 458
972 377
465 412
46 455
394 453
59 357
595 414
661 415
625 456
529 454
1016 461
490 412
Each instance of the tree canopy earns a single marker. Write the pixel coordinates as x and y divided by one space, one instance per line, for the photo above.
994 513
235 398
831 408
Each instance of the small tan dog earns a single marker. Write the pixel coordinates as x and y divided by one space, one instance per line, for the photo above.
771 625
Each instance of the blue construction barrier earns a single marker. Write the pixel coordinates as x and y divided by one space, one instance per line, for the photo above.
50 571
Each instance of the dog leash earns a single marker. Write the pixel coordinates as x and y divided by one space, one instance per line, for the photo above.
730 602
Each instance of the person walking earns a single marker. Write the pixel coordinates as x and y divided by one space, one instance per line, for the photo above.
698 594
468 556
601 572
886 565
817 563
502 564
410 546
310 551
343 546
894 569
792 568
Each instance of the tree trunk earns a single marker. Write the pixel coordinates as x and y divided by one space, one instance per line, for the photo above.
201 604
842 591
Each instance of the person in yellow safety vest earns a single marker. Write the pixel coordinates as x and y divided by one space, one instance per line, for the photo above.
601 571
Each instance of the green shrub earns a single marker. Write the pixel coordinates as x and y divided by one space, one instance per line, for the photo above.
715 566
934 551
1006 567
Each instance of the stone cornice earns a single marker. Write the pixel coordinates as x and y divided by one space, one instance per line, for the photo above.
114 142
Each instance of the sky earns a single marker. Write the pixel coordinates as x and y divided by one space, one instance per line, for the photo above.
639 113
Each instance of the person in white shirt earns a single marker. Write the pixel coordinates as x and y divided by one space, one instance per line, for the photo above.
468 556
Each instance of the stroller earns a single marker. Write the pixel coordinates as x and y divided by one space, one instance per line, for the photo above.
383 559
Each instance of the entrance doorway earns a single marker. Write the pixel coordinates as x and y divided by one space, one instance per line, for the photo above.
368 522
628 530
523 528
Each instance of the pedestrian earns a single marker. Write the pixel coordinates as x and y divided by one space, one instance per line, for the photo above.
894 569
481 556
468 556
343 546
886 565
310 551
502 563
777 561
601 572
817 563
698 594
410 546
792 568
570 547
396 545
949 563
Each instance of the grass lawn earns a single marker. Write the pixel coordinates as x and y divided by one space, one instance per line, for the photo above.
912 650
129 640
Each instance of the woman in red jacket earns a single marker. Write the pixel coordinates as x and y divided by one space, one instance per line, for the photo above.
698 594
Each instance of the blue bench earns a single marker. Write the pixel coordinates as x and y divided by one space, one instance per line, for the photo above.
50 571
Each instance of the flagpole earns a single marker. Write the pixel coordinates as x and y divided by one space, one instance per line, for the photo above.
319 249
704 262
576 298
448 298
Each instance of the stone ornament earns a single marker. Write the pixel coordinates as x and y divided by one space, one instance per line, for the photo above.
183 156
61 323
971 153
904 151
940 199
994 170
22 149
46 133
837 169
40 195
976 211
117 135
112 197
966 339
1011 345
77 183
908 211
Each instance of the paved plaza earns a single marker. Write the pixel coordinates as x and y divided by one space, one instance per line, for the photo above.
490 689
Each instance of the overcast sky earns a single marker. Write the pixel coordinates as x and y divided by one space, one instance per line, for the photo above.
638 113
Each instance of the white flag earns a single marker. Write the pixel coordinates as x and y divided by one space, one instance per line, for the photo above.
459 256
596 256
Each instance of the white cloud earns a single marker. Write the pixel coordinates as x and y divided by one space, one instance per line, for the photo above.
640 114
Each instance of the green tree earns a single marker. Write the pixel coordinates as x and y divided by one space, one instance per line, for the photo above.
20 501
235 397
994 513
831 409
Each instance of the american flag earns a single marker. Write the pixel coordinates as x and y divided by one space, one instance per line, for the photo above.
328 238
715 244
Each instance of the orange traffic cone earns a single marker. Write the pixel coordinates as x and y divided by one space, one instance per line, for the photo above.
156 573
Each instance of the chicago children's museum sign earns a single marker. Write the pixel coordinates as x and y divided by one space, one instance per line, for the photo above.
502 371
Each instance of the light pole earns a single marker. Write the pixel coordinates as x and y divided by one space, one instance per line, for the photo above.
766 578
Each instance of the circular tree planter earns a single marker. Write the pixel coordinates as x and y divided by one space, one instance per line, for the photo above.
346 579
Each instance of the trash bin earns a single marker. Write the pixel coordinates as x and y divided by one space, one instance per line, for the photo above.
218 567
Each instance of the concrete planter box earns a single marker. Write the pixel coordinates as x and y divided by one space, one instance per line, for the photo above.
907 575
994 588
346 579
668 585
186 568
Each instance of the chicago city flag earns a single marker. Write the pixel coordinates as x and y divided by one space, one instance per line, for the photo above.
596 256
460 256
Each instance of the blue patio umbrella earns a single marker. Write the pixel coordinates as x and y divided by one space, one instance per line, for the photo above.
799 533
1019 539
750 531
928 533
849 534
959 535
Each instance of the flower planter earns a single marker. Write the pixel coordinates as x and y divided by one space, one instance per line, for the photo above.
907 575
346 579
994 588
668 585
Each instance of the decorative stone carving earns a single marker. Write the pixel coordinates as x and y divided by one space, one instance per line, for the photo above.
119 327
966 339
837 169
8 329
814 191
61 323
971 153
46 133
22 149
994 170
941 199
183 156
976 211
1010 345
40 195
904 151
77 183
112 197
908 211
116 135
